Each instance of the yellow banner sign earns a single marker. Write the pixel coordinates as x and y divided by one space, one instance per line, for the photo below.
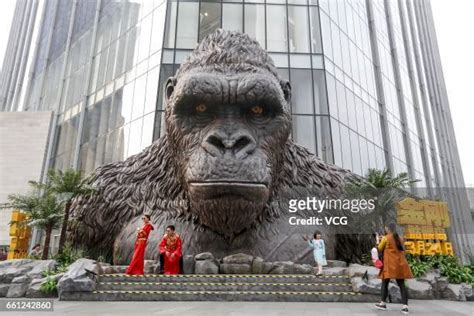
425 224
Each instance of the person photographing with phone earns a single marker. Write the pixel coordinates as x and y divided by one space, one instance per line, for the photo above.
395 265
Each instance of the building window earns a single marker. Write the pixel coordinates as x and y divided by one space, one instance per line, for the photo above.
232 17
320 99
210 18
255 22
303 131
186 34
277 40
298 29
302 94
170 30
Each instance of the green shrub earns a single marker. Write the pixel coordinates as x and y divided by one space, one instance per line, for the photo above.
48 273
449 266
50 286
69 255
418 266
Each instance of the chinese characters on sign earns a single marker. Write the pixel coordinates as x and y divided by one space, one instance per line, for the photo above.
19 236
425 224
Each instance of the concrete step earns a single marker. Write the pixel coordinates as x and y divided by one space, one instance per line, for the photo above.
224 286
274 296
224 278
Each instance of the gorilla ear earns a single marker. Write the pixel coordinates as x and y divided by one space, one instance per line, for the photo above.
286 87
169 87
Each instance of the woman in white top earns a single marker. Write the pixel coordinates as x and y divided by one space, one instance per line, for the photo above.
319 250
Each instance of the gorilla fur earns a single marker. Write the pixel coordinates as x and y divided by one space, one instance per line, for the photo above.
154 181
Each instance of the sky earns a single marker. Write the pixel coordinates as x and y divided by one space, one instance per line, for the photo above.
454 23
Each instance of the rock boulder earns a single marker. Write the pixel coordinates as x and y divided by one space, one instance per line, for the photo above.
77 279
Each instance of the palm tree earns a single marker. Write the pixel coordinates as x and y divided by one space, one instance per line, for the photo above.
43 210
385 190
67 185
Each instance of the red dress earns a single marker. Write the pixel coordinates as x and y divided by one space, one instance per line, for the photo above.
170 248
138 259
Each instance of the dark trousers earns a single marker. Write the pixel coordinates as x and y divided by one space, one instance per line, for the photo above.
162 264
401 285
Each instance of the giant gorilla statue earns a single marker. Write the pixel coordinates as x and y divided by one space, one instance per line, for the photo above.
222 173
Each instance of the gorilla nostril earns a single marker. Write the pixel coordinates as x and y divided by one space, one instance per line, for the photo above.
216 142
241 143
238 145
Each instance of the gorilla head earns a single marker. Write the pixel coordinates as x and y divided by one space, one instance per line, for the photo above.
228 121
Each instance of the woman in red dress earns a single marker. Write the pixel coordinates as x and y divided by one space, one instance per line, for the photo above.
138 259
170 252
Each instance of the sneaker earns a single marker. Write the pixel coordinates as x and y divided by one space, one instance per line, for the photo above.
381 306
404 309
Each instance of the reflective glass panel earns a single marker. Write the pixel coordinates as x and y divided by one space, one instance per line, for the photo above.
232 19
276 28
302 91
298 29
255 22
210 18
186 34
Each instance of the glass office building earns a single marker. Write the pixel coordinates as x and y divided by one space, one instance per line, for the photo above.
368 88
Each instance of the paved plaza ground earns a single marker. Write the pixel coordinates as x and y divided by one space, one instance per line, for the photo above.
417 307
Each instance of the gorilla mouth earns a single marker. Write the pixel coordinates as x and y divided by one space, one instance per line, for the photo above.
252 191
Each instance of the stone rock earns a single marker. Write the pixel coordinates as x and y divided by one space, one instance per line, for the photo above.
4 289
469 292
188 264
430 277
10 269
235 268
22 279
110 270
151 266
76 279
240 258
419 289
455 292
58 276
394 292
17 290
41 266
336 264
267 267
206 267
303 269
442 284
335 271
283 267
357 270
19 286
118 269
257 265
204 256
373 286
34 290
14 263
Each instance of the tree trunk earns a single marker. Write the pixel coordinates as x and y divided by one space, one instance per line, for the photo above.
47 240
62 237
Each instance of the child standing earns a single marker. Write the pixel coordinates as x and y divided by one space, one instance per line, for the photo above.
319 250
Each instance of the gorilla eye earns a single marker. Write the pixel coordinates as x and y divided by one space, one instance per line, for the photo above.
257 110
201 108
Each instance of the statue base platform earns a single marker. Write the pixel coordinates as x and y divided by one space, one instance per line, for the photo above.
222 287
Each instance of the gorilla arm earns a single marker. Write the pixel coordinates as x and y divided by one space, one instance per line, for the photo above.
125 190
